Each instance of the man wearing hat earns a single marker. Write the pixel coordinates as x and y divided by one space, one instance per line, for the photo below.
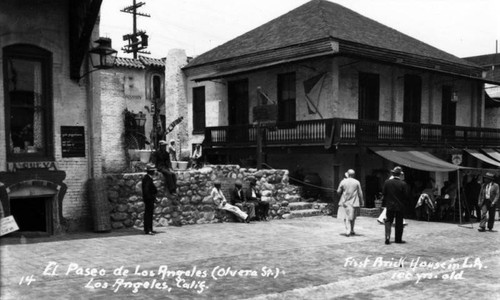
488 199
396 196
254 197
164 165
351 198
149 192
238 198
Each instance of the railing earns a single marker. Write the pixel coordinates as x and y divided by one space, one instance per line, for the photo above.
354 132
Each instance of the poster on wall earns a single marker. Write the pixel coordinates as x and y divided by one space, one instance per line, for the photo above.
73 141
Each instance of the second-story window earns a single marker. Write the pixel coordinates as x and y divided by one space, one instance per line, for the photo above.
286 97
28 105
199 109
156 87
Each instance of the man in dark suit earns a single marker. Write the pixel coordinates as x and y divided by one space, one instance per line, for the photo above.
488 199
238 198
164 166
396 196
149 192
253 195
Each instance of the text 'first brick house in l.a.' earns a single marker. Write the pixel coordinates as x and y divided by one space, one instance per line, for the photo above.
349 92
49 146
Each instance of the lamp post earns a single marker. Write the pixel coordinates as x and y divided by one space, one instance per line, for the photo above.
102 56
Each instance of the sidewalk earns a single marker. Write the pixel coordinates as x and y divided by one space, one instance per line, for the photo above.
306 258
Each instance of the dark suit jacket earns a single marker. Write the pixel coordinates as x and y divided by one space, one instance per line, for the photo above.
162 159
236 198
248 194
149 190
396 194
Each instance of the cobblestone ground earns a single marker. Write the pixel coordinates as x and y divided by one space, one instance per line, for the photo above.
306 258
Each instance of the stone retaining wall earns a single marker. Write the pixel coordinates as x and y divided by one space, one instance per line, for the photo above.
194 205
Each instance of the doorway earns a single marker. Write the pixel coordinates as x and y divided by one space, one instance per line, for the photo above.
238 110
32 214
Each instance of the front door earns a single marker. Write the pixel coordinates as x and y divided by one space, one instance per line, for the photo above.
238 110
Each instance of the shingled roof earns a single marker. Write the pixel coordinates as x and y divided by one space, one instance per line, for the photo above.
140 63
316 28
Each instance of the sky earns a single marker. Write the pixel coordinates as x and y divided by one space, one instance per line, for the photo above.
460 27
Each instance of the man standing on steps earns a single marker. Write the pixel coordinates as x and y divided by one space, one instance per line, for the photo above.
351 198
488 198
396 196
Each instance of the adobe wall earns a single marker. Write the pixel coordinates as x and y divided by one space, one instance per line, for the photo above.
194 187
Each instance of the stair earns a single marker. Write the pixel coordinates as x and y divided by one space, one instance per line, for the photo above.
305 209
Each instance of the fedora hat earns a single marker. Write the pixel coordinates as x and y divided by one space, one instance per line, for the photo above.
162 142
397 171
489 175
350 173
150 168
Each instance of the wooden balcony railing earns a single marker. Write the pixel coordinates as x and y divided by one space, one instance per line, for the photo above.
354 132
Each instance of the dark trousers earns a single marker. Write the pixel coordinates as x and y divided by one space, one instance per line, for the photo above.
398 215
491 211
148 216
170 180
262 209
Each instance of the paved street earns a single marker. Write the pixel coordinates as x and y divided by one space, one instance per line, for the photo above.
306 258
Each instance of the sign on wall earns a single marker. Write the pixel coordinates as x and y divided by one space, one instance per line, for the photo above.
73 141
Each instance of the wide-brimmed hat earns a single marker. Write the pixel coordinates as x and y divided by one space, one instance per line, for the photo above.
350 173
150 168
162 142
397 171
238 183
489 175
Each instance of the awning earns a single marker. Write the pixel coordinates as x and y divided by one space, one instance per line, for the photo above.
493 153
420 160
482 157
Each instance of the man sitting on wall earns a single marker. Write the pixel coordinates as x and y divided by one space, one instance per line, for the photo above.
164 165
239 199
253 196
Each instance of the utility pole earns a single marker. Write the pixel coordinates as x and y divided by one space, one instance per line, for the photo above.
135 45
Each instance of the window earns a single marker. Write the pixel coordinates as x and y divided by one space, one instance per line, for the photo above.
156 87
286 97
199 109
369 90
28 105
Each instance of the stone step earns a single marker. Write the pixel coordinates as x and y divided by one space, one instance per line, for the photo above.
300 205
305 213
293 198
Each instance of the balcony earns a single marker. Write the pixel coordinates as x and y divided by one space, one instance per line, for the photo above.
353 132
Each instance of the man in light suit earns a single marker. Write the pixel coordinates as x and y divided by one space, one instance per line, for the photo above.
488 199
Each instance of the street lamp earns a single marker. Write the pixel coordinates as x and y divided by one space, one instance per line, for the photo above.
140 119
102 56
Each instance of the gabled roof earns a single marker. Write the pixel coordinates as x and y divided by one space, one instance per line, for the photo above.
319 23
140 63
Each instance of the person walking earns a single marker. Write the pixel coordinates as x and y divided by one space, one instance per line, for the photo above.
396 196
149 192
488 199
351 198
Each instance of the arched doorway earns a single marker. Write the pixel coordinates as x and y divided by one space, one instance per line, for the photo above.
34 205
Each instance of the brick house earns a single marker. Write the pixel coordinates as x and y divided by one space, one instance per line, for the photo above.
349 93
49 146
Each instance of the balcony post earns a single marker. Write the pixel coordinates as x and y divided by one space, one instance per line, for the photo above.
260 133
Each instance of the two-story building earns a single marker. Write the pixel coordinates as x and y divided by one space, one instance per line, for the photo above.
348 92
49 105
